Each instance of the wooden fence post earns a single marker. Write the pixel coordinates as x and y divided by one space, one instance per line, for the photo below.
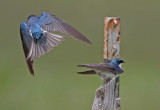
107 95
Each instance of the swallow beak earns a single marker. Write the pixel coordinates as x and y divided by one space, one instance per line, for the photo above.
123 62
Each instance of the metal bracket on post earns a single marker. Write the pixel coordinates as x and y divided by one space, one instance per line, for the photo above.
107 95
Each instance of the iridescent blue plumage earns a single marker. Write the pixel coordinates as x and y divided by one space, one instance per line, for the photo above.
37 38
117 61
36 32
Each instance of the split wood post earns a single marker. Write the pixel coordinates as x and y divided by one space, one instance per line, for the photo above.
107 95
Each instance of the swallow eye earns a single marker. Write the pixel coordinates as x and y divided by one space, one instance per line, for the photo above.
122 61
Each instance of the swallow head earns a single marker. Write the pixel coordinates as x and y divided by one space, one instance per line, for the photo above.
32 16
117 61
36 34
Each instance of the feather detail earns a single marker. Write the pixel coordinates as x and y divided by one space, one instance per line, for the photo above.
87 72
51 23
36 50
102 67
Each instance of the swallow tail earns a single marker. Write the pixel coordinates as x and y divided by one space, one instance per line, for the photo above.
87 72
82 65
30 66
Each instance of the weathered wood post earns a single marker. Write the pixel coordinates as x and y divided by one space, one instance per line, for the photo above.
107 95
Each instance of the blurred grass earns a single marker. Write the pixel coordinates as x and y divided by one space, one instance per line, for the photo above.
56 85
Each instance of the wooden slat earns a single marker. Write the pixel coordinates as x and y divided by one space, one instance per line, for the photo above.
107 95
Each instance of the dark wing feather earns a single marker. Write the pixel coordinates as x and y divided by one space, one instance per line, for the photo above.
87 72
52 23
119 70
26 42
102 67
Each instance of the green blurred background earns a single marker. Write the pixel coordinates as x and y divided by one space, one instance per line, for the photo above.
56 86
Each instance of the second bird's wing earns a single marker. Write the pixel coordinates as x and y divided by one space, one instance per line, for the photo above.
101 67
52 23
87 72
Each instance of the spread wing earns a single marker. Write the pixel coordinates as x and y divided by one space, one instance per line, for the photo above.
44 45
102 67
52 23
26 43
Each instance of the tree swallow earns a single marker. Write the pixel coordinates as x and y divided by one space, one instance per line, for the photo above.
37 38
106 71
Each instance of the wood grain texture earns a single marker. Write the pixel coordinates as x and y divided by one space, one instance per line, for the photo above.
107 95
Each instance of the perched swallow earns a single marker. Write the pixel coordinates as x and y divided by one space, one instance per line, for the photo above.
106 71
37 38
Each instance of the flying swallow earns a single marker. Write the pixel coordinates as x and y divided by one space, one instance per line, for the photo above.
38 38
106 71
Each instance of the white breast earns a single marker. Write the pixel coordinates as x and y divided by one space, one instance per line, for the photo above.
120 65
105 75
